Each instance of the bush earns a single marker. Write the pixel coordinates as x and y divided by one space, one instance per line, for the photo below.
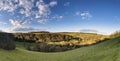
6 41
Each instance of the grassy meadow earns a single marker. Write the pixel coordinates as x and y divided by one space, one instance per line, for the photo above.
108 50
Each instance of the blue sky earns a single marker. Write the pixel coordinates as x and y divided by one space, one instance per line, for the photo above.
99 16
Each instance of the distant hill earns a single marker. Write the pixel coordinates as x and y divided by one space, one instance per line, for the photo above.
40 32
1 31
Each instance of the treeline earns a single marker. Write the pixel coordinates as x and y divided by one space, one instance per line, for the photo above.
7 41
116 34
44 47
45 37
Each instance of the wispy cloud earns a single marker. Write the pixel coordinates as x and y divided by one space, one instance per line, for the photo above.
116 18
16 23
57 17
84 15
53 3
67 4
18 26
43 21
78 13
4 23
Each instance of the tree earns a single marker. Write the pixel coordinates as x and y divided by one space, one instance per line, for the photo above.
7 41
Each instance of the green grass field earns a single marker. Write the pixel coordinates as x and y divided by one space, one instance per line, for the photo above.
105 51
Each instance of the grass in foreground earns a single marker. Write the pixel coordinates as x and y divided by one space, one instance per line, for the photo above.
105 51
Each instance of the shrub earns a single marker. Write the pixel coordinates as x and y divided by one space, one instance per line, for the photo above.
6 41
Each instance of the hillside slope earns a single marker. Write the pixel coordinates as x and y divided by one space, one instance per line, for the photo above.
87 38
105 51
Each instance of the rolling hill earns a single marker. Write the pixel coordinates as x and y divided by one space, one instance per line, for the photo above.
106 51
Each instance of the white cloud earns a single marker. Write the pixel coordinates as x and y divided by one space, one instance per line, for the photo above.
22 11
53 3
67 4
77 13
4 23
43 21
60 17
43 10
27 7
7 5
57 17
16 23
84 15
18 26
38 16
27 10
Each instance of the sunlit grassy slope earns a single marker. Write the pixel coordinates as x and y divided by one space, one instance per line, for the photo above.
87 38
105 51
